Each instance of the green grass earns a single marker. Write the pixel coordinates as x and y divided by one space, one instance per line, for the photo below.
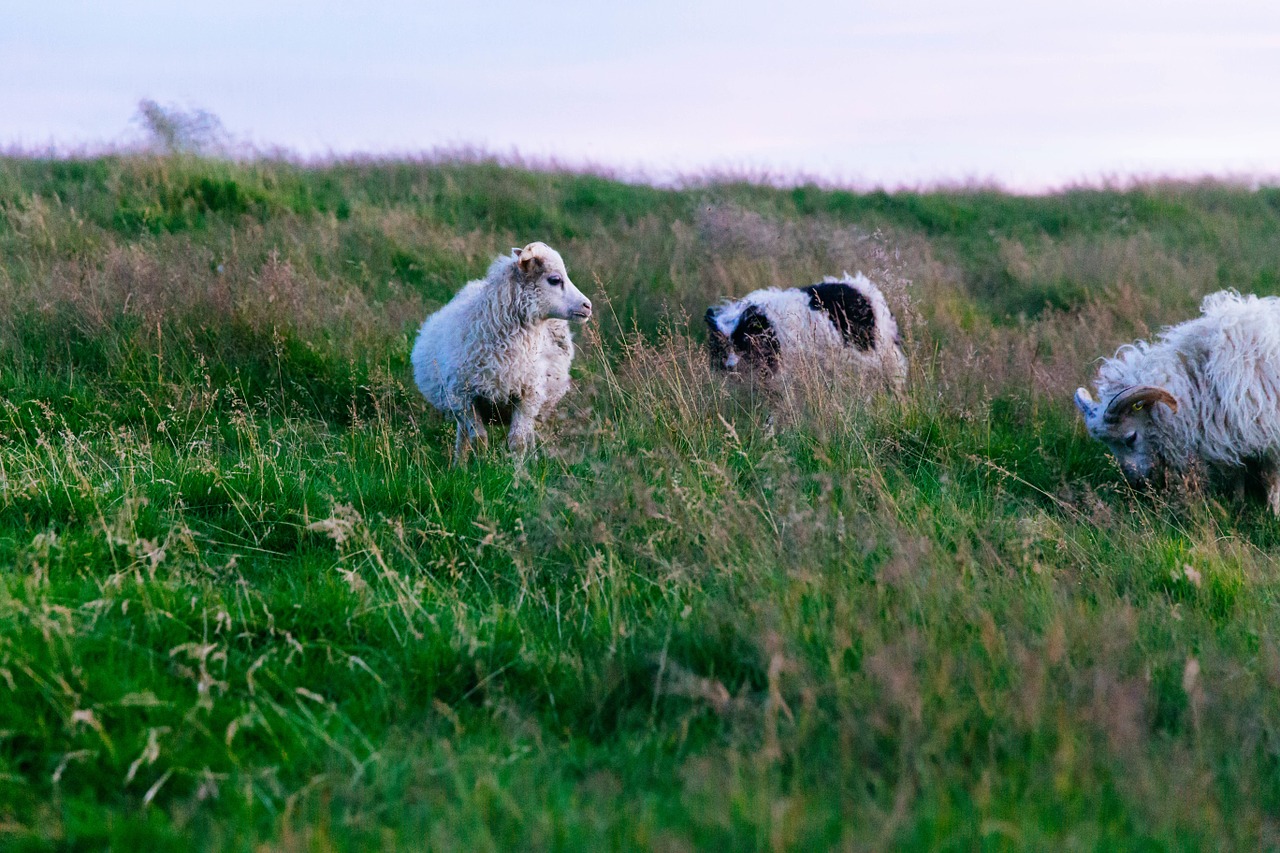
245 600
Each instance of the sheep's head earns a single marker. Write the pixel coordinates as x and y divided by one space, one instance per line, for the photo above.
1125 425
718 344
746 337
545 285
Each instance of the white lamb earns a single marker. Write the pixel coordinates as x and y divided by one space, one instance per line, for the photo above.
1208 391
500 350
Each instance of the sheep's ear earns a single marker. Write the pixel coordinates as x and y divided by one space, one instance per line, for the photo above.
1138 398
515 252
1085 404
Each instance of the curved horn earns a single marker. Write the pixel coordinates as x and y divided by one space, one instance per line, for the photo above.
530 258
1134 397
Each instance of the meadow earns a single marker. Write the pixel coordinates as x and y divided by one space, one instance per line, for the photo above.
246 602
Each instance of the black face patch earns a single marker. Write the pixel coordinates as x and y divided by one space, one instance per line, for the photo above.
848 310
717 341
755 340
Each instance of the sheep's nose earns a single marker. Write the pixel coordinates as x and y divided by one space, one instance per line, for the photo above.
586 304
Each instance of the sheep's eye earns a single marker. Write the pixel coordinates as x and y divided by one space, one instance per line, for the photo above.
555 281
1131 439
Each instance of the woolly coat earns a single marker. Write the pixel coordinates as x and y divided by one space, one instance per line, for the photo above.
805 334
1224 369
481 345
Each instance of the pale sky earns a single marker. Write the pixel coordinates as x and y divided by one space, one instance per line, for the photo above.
871 92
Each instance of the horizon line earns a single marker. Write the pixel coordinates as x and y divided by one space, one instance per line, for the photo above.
675 179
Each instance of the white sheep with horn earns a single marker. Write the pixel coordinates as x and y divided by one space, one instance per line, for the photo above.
1206 392
500 350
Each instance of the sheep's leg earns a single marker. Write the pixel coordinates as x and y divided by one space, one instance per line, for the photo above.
461 444
521 436
1273 491
470 428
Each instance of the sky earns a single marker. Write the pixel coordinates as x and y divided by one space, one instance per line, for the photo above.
1029 95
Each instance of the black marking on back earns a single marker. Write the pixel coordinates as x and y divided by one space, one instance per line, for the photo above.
847 309
755 340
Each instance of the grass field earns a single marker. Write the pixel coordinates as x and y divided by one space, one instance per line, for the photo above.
245 600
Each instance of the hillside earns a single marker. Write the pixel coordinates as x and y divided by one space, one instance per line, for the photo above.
245 599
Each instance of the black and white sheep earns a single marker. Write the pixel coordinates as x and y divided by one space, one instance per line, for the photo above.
842 322
1207 392
500 350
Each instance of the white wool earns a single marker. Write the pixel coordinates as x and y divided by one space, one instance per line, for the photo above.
494 341
804 334
1224 369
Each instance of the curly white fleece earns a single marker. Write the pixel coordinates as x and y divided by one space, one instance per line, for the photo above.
1224 369
494 342
805 334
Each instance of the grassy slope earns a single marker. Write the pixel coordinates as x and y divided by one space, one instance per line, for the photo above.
243 597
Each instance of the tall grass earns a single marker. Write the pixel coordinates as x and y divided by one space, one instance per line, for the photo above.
246 600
